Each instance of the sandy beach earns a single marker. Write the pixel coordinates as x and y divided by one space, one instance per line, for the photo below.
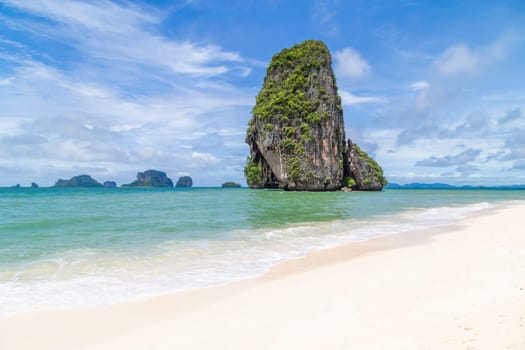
456 287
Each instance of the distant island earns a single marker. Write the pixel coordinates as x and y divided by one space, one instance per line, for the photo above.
231 184
78 181
33 185
443 186
184 181
110 184
84 181
151 178
148 178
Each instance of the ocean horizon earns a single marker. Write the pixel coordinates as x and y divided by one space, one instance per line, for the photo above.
77 247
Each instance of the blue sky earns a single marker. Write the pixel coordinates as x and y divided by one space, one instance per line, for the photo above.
434 90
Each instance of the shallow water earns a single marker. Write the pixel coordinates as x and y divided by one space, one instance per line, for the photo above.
85 247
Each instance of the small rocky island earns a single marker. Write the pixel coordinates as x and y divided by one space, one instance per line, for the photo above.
184 181
110 184
151 178
231 184
297 134
78 181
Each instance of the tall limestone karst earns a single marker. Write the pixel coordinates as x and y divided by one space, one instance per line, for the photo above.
297 134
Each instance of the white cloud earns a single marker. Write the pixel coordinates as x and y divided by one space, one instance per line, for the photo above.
133 97
459 59
206 157
349 99
349 63
83 124
7 81
519 165
106 30
460 159
94 14
10 126
419 85
131 94
462 59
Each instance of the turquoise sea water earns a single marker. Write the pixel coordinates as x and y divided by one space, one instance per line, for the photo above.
85 247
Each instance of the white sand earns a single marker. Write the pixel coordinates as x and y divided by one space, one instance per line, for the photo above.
459 289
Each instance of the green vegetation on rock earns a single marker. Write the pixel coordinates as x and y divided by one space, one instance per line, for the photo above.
285 98
151 178
231 184
78 181
377 170
349 182
253 173
296 133
184 181
294 105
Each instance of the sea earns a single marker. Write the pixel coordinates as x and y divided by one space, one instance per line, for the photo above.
72 247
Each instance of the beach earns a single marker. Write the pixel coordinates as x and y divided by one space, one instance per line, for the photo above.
454 287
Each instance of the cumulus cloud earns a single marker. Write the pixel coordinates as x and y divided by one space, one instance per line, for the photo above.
435 98
7 81
419 85
519 165
450 160
349 99
457 59
467 169
474 123
409 136
349 63
439 108
461 59
516 145
205 157
512 115
429 117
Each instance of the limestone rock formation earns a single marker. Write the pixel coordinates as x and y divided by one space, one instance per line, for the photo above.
151 178
361 171
78 181
34 185
184 181
296 134
110 184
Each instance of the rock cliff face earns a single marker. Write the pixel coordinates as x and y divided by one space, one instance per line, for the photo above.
184 181
110 184
151 178
296 134
362 172
78 181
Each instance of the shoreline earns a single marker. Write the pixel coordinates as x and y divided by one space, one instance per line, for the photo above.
95 277
256 304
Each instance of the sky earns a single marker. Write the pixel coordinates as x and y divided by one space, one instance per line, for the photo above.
433 90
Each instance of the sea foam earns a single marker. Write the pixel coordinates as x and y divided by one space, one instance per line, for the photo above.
94 277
